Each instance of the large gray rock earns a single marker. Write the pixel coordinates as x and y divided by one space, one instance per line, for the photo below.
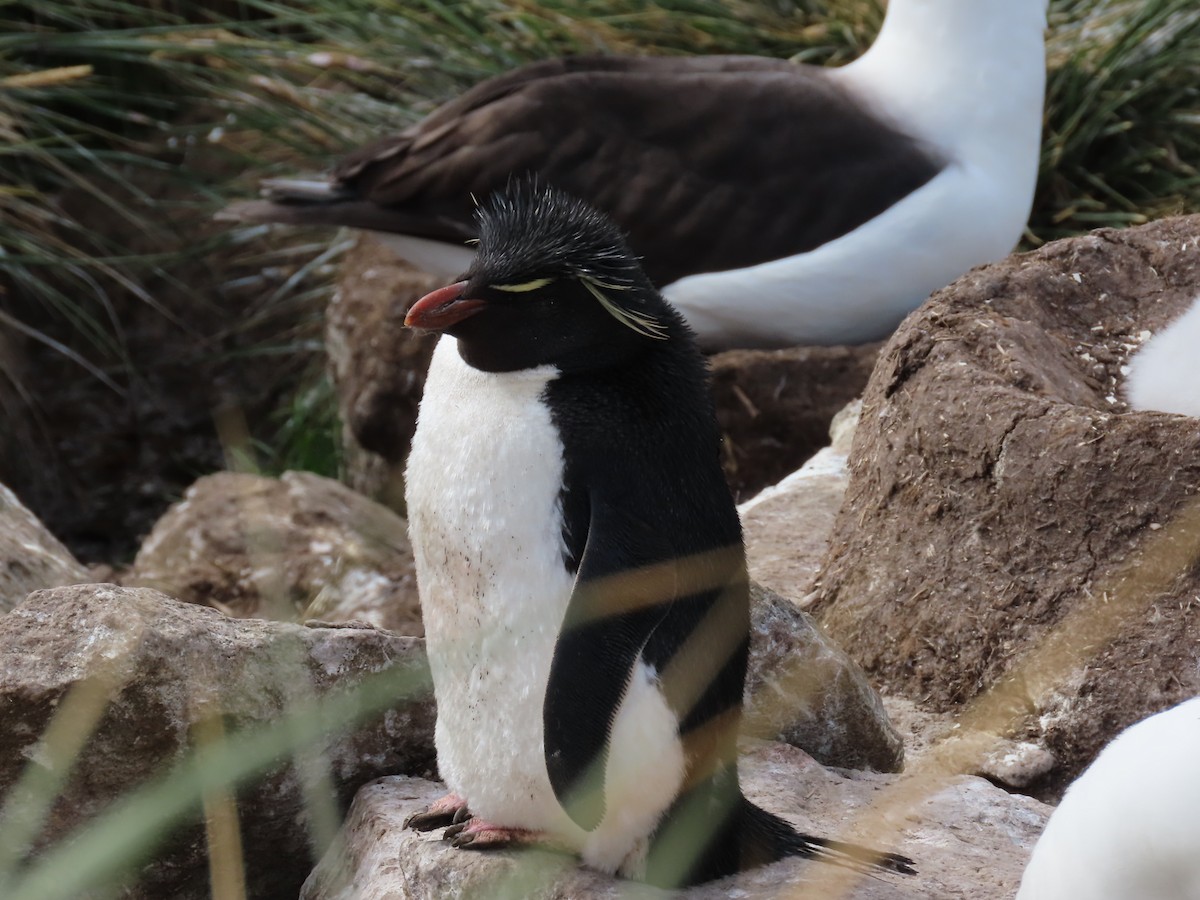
1004 499
803 689
161 674
293 548
31 558
970 841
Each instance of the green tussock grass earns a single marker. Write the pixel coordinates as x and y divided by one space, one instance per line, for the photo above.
1122 138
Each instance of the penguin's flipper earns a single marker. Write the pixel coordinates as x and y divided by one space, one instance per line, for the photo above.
617 602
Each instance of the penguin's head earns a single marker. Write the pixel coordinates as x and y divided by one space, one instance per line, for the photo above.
553 283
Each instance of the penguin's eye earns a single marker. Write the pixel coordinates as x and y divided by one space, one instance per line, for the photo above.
523 287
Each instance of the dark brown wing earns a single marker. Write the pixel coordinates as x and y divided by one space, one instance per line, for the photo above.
709 163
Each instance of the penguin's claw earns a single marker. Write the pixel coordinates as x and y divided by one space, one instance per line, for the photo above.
449 810
476 835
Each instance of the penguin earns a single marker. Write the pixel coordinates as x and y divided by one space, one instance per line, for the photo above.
580 563
1129 827
755 189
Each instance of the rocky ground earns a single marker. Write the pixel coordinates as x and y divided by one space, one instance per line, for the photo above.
985 576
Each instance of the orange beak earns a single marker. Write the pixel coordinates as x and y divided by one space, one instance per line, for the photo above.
440 309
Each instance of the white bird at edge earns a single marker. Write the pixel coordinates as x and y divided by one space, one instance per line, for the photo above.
1129 827
1164 375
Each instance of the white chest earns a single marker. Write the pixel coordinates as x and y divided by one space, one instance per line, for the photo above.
483 485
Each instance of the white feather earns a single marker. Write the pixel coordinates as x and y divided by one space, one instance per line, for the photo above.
967 78
1164 375
1129 826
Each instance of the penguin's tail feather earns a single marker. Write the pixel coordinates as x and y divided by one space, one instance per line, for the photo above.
767 838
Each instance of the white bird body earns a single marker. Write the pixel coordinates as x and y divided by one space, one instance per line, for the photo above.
1164 375
493 614
1129 827
967 79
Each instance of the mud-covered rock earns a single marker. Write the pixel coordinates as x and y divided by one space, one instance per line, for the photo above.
290 548
31 558
378 366
159 677
1002 493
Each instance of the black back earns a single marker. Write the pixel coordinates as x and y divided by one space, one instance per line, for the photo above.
709 163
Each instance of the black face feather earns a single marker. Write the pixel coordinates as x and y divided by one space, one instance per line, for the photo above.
559 286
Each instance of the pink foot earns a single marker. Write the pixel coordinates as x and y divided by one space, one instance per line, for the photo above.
449 810
479 835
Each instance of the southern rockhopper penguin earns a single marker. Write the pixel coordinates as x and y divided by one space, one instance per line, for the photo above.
580 563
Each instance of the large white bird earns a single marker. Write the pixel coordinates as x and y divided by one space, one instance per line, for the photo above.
1164 375
1129 827
775 203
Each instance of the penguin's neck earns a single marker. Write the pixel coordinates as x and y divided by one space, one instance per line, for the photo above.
966 76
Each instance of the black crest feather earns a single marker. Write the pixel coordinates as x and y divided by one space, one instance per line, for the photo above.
531 228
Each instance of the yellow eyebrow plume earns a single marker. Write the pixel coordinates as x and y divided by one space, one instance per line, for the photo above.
524 286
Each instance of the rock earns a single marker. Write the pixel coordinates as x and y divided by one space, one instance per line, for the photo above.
970 841
1004 499
802 689
297 547
378 365
167 671
774 406
787 525
31 558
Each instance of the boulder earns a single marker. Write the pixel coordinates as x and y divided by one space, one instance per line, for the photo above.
970 841
1004 500
803 689
157 677
31 558
291 548
378 366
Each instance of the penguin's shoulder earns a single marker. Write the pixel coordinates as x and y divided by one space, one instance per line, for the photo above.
641 452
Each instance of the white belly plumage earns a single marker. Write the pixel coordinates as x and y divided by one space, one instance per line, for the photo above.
483 485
